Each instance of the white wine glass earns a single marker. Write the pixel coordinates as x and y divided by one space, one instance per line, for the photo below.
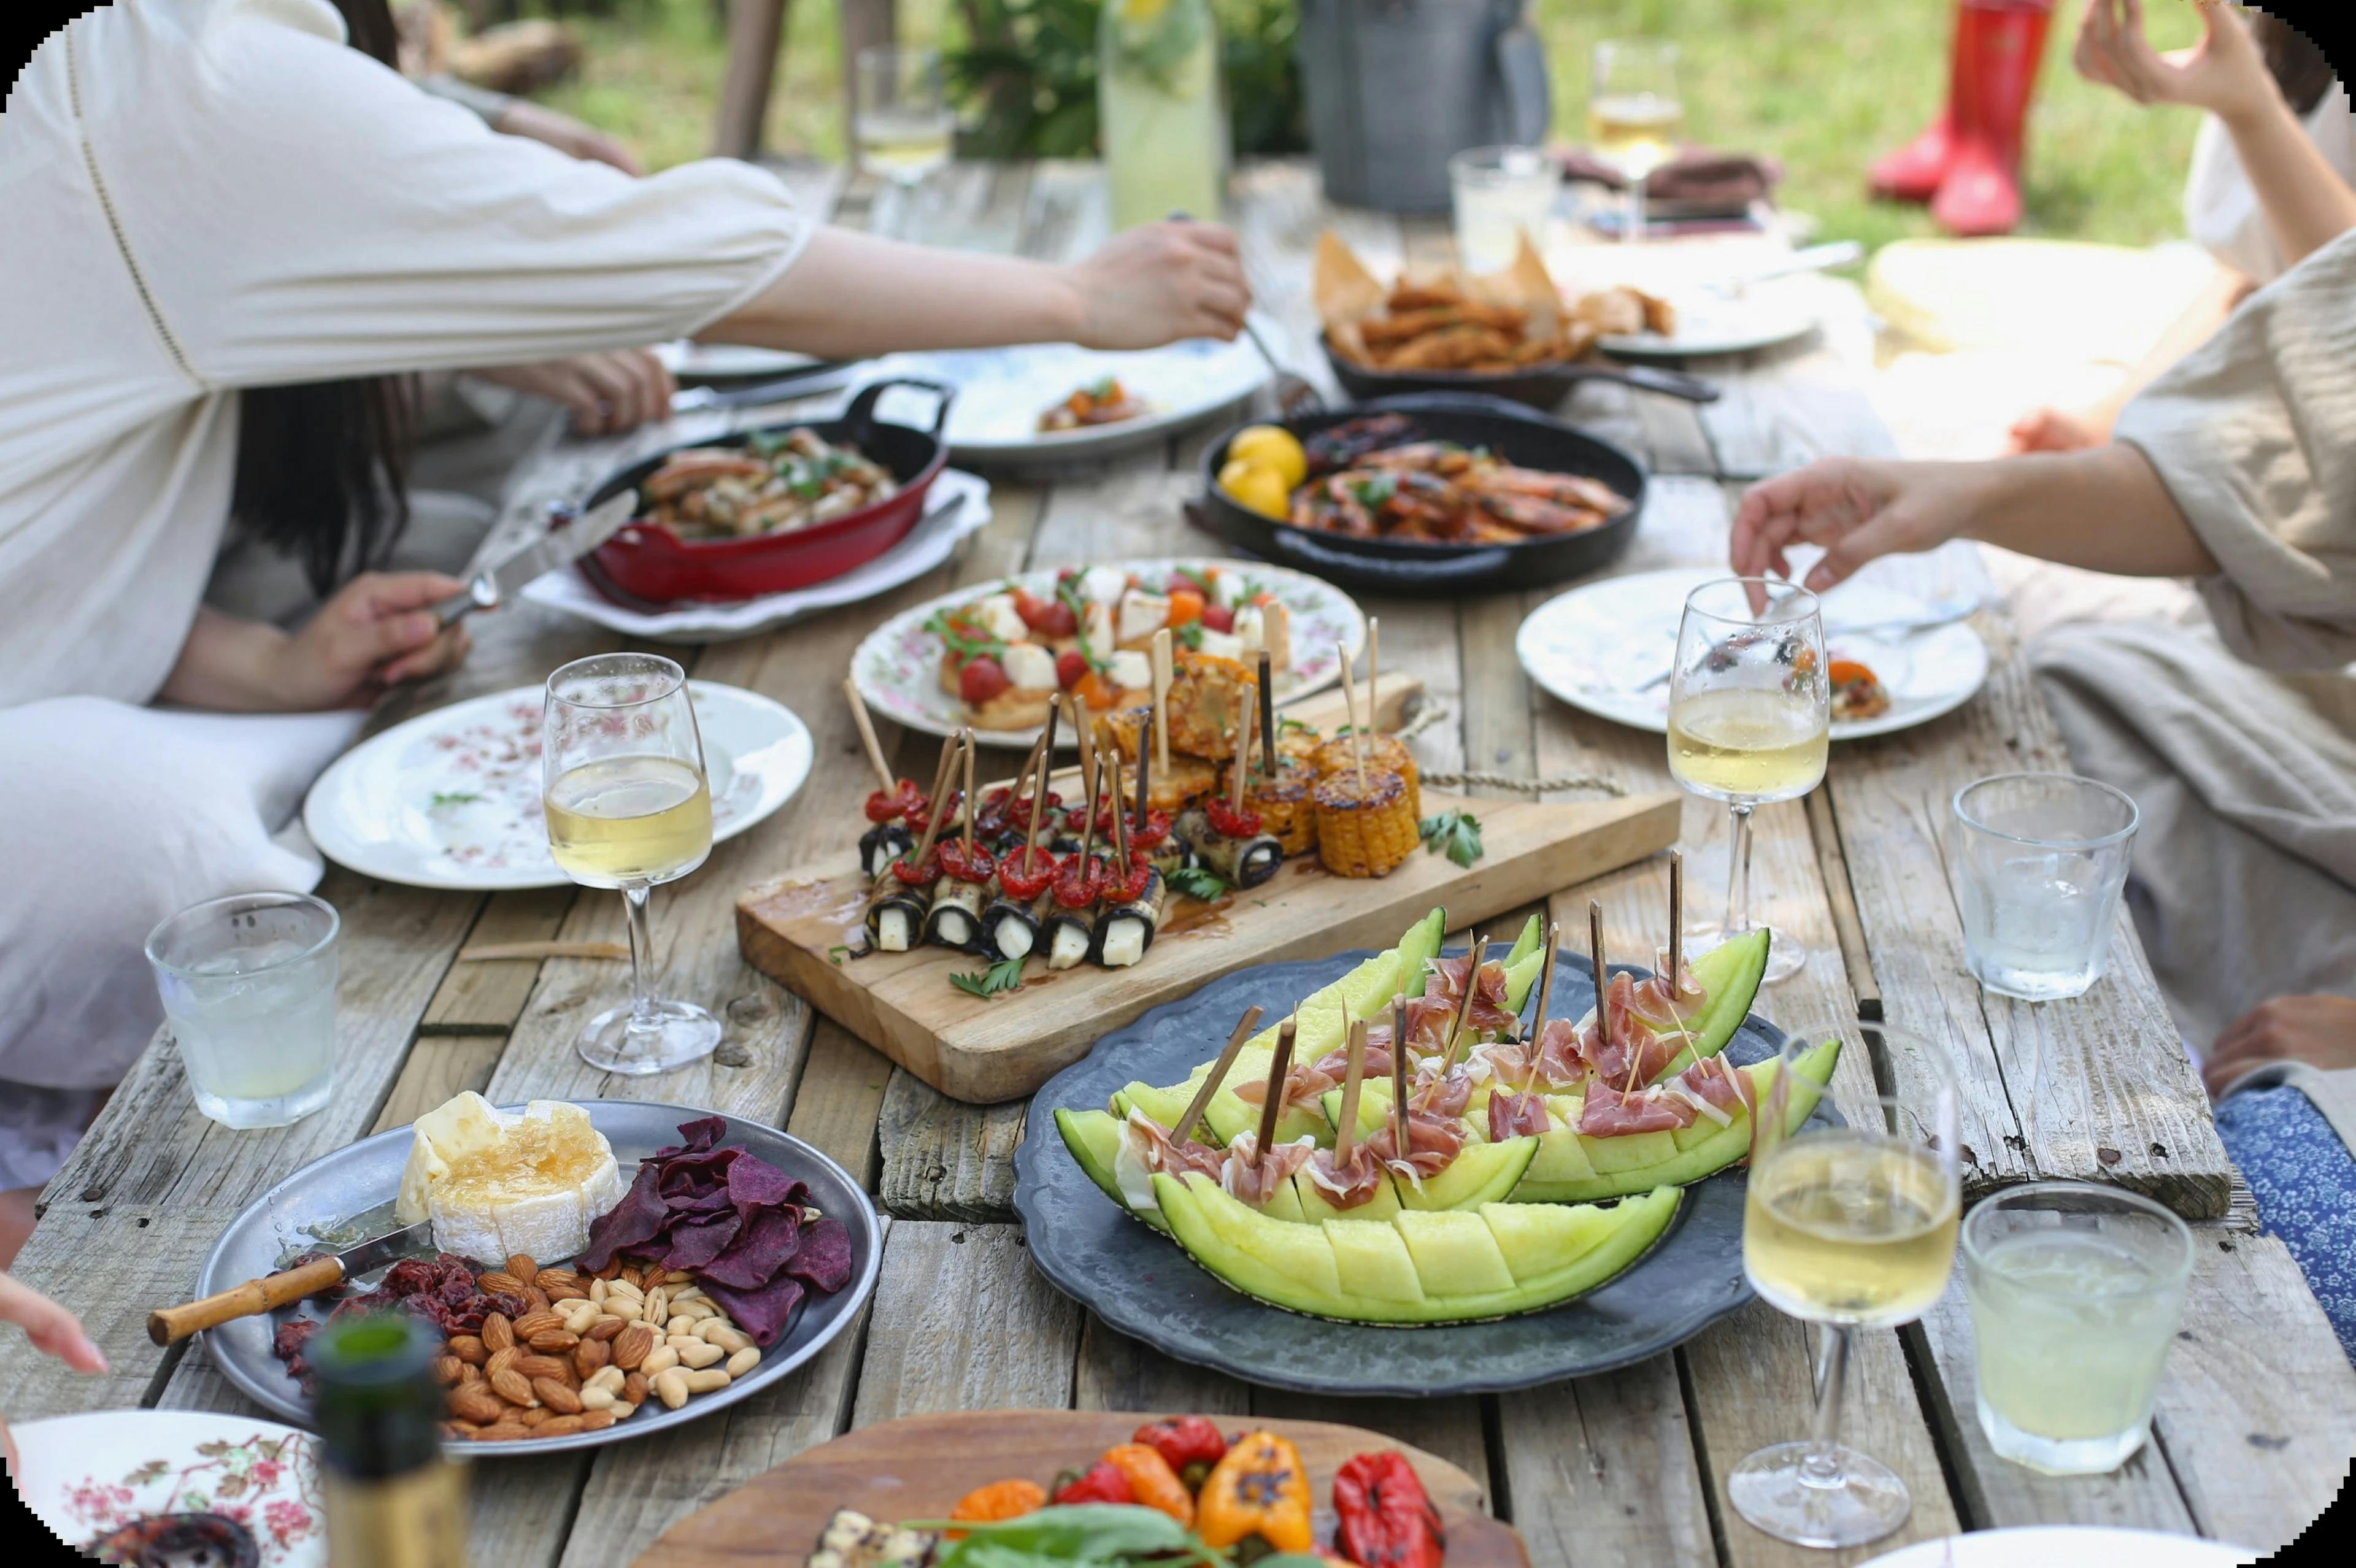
901 117
1846 1227
1633 113
1750 722
623 787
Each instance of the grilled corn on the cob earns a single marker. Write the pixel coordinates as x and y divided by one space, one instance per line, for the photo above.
1364 832
1282 802
1385 752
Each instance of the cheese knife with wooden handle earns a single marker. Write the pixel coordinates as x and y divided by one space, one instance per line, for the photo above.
170 1325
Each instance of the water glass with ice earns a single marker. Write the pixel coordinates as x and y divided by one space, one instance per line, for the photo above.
2075 1290
1500 194
249 989
2039 860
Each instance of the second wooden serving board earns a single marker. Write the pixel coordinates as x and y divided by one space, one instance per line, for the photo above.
801 929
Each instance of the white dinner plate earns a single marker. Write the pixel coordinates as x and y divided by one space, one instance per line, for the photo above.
1002 392
1707 323
898 667
692 361
451 799
2065 1546
85 1475
1594 646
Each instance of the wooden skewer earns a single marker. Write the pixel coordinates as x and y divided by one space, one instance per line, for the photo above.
940 783
1546 996
1145 767
1088 778
1039 789
1464 1007
1357 730
1268 730
1201 1100
1276 631
973 806
1161 697
1677 921
1374 655
1278 1066
1111 766
1399 1075
867 736
1345 1132
1237 774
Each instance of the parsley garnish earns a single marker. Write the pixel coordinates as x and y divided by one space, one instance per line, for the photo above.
1005 975
836 954
1375 491
1201 580
453 797
1455 834
966 645
1198 883
766 444
1104 391
1288 722
1190 635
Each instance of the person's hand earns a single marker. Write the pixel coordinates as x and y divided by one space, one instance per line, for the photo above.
2057 430
1856 509
607 393
1160 283
2318 1030
2223 73
54 1332
522 117
377 630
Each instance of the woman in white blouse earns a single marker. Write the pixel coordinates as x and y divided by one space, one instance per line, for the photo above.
232 230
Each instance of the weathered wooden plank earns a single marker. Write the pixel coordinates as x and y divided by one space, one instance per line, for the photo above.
1450 1428
838 1100
1832 863
1600 1470
944 1159
490 994
440 1066
963 1321
1116 1372
109 1263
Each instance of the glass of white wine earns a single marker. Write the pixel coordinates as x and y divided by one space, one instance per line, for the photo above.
1750 722
1633 113
623 787
1848 1227
900 115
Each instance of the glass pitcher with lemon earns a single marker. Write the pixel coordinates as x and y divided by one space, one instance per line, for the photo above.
1163 116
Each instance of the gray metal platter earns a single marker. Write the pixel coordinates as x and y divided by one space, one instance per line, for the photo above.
348 1195
1142 1284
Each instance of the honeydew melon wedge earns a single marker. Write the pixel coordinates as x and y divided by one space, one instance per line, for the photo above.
1094 1139
1729 974
1482 1173
1570 1168
1416 1267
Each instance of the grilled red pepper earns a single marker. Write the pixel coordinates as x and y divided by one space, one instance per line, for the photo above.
1191 1443
1024 874
974 865
1235 824
1386 1521
922 875
1018 813
904 801
1075 881
1119 886
1103 1483
1152 832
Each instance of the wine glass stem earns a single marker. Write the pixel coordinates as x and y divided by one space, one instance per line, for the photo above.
1635 211
636 898
1822 1467
1737 871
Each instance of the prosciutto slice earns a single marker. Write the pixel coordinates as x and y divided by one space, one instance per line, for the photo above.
1304 1083
1618 1046
1432 1145
1714 1082
1662 1009
1435 1095
1256 1183
1351 1183
1557 1062
1489 1010
1607 1114
1515 1115
1150 1141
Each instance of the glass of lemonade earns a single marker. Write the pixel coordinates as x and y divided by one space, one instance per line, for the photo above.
2040 860
623 787
2075 1290
1750 722
1633 113
249 989
1850 1227
1500 194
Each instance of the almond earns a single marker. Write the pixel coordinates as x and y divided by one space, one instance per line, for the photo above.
535 1298
553 1278
544 1367
558 1295
634 1388
554 1341
554 1394
533 1417
469 1348
559 1427
469 1373
499 1283
605 1327
612 1270
596 1419
531 1323
503 1432
476 1405
520 1265
502 1360
456 1431
449 1370
631 1345
498 1334
513 1387
590 1355
633 1278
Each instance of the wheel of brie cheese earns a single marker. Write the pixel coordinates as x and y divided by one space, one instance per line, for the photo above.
496 1183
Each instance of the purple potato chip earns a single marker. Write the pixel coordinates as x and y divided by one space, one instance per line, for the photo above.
636 1219
761 1313
693 1246
823 1262
754 1183
705 1133
764 1247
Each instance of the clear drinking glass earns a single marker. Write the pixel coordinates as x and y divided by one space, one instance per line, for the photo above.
900 115
2039 860
2075 1290
1633 113
249 989
622 786
1847 1228
1750 722
1500 194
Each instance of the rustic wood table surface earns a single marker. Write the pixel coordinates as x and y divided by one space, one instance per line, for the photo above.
2256 1418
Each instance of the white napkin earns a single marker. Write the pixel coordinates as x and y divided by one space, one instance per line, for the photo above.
927 546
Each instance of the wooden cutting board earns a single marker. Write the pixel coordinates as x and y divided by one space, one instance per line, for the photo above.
799 927
918 1467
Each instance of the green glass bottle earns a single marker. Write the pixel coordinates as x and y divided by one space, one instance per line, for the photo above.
392 1499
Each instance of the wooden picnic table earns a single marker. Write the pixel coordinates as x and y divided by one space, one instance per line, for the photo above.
2256 1419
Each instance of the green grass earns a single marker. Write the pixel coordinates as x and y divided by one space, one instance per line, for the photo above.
1826 85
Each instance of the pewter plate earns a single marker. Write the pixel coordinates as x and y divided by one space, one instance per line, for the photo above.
1140 1282
347 1196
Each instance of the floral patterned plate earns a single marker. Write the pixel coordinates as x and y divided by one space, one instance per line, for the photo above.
898 667
451 799
84 1476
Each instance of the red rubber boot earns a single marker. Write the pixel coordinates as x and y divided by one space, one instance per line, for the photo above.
1912 172
2005 42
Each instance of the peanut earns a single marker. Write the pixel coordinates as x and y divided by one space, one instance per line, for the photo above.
589 1355
559 1427
677 1276
476 1406
552 1341
624 1409
498 1334
580 1316
513 1387
681 1323
610 1378
715 1332
499 1282
705 1379
605 1327
657 1308
661 1358
596 1419
743 1360
700 1354
627 1287
556 1396
469 1348
596 1399
520 1265
672 1389
624 1307
693 1306
597 1289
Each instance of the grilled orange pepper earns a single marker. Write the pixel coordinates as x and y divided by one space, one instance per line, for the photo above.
1259 1489
1844 671
1185 606
1000 1500
1152 1480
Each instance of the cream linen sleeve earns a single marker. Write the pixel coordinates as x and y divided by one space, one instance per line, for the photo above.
308 214
2255 436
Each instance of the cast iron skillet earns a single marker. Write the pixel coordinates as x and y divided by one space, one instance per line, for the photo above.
1418 569
1540 386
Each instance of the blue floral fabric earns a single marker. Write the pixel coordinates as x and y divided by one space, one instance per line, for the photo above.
2305 1181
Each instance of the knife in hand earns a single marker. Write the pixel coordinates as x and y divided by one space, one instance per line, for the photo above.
496 585
170 1325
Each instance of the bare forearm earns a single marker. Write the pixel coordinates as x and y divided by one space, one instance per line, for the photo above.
2307 204
852 294
2193 326
229 665
2104 509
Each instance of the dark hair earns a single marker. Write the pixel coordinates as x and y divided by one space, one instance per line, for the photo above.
2297 63
321 465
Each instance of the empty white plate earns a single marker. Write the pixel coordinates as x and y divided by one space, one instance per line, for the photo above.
2065 1546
